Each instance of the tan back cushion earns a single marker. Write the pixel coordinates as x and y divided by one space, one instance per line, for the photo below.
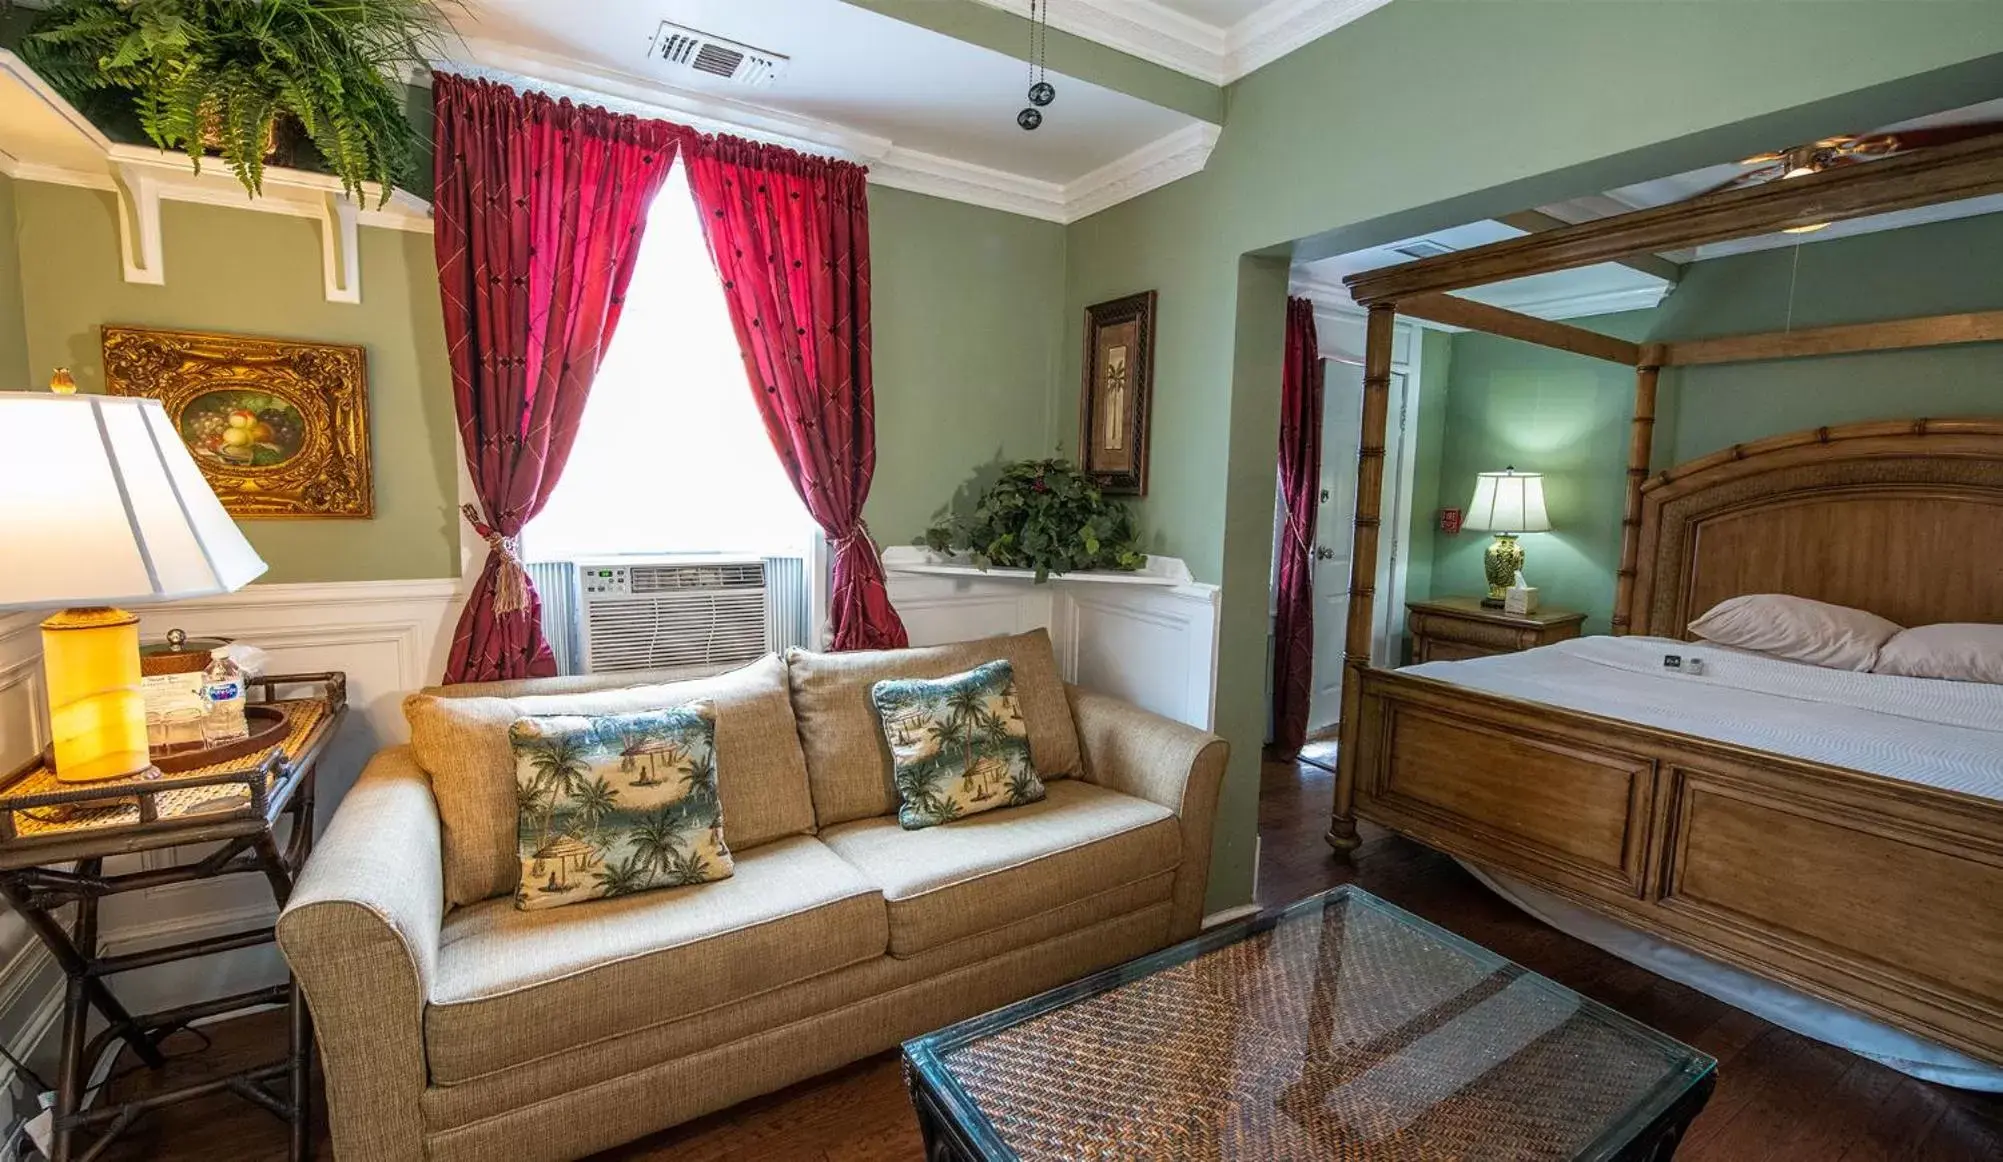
848 762
462 743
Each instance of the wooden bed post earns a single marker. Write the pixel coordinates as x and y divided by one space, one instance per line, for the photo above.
1640 442
1362 564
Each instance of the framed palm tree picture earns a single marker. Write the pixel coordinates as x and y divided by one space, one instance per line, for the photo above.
1114 403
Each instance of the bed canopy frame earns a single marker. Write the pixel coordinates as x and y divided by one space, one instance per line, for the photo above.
1741 854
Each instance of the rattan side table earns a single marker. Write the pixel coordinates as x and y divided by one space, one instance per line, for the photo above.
237 804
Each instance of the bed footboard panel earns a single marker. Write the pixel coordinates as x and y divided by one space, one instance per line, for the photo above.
1881 895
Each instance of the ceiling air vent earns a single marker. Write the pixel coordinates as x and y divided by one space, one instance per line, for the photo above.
1422 248
684 50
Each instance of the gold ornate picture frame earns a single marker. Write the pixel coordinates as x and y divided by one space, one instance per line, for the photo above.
1118 392
280 427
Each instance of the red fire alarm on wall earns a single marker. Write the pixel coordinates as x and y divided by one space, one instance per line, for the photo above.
1450 520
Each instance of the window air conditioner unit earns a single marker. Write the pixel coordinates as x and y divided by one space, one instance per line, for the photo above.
693 615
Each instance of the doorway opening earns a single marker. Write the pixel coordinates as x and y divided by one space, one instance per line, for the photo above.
1341 338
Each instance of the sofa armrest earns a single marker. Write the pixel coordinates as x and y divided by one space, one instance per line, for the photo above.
1137 753
361 936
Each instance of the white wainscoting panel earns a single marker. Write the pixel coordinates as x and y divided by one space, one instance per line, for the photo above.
1149 640
389 637
1155 648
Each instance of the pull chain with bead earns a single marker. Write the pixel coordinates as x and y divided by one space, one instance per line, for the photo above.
1041 91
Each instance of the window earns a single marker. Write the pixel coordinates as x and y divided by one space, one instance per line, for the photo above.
671 455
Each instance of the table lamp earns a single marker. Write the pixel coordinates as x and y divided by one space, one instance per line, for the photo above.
1505 503
101 507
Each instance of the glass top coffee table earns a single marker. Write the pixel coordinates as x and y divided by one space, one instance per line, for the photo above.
1339 1027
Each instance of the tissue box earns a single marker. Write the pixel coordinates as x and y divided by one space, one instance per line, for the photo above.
1520 600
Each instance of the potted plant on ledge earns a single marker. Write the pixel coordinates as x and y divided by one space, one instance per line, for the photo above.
1043 515
228 76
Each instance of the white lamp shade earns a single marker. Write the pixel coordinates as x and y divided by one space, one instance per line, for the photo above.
1507 502
101 504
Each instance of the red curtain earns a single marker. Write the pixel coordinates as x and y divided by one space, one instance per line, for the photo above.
790 235
1300 491
538 213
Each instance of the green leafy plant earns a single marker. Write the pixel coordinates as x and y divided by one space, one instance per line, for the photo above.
1043 515
220 74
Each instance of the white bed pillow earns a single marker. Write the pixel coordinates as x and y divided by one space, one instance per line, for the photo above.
1798 629
1956 651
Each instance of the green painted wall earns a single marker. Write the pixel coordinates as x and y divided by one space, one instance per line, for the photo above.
967 310
1515 404
1436 353
1926 270
259 274
1415 117
13 329
1566 415
967 318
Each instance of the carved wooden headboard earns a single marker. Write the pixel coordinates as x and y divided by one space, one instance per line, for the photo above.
1904 519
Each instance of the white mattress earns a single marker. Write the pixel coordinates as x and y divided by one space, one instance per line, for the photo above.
1940 734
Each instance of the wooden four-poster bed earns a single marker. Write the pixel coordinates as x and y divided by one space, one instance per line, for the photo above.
1881 894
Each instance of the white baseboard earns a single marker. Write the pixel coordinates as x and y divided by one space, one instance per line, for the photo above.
1229 914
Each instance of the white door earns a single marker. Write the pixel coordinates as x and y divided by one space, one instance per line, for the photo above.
1341 417
1341 434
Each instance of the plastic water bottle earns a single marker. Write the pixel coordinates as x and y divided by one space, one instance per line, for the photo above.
222 689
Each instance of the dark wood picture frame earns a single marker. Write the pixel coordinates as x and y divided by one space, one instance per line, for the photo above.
1118 393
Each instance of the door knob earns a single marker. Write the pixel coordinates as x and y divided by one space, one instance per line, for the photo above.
1323 553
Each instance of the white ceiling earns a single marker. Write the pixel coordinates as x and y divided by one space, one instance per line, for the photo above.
854 68
1593 290
901 98
1609 287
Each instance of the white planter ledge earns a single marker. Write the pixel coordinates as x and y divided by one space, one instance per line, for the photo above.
44 139
1169 571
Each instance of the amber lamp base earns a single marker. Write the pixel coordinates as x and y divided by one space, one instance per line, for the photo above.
97 710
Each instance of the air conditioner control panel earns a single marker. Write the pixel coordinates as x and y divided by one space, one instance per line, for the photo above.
605 581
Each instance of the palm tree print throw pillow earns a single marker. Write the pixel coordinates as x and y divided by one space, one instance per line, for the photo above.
958 744
616 804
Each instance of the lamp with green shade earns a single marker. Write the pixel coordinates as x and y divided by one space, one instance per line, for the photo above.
1505 503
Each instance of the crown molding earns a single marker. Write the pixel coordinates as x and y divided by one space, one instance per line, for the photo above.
1142 28
1166 159
1285 25
1152 166
1161 35
963 181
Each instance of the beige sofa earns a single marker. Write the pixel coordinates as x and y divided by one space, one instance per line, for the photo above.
454 1026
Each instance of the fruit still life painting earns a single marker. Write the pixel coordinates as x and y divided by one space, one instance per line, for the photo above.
243 428
279 427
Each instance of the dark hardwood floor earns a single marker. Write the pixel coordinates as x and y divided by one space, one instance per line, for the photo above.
1780 1097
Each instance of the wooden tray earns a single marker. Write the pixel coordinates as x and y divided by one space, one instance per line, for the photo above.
269 726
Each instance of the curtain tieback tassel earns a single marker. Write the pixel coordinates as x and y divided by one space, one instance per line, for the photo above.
857 536
512 589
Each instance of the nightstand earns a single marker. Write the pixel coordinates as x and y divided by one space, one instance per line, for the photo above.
1448 629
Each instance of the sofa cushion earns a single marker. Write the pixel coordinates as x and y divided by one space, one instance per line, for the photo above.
613 804
963 878
958 744
461 740
515 986
848 762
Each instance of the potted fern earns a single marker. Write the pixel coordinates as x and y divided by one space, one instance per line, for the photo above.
1043 515
223 75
